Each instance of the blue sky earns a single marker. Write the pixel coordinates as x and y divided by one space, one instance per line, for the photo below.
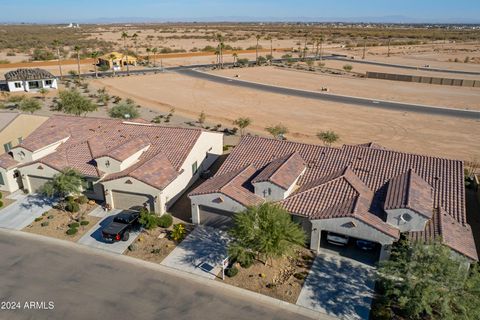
89 10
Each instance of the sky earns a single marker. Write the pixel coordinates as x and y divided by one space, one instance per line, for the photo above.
59 11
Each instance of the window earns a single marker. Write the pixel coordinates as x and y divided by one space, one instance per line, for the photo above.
1 180
34 84
269 191
18 85
89 186
48 82
7 146
406 217
194 168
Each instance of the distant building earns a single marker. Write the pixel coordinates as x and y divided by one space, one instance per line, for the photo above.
116 60
30 80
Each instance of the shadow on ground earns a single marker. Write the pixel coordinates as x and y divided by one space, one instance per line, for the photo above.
32 201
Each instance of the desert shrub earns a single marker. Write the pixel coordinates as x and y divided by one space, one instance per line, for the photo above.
84 222
44 224
348 67
231 272
242 62
72 231
124 111
165 221
2 61
73 225
82 199
179 232
148 220
156 251
300 275
38 219
72 206
1 195
50 217
1 203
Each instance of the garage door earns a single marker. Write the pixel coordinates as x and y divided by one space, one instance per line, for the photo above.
216 218
133 201
37 182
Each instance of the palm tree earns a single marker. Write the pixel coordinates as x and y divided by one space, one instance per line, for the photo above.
95 56
321 47
220 49
235 57
77 50
242 123
134 37
154 51
258 37
389 40
112 58
125 37
148 49
56 45
364 47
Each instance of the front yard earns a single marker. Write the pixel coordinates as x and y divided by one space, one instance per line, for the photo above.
4 200
283 279
55 223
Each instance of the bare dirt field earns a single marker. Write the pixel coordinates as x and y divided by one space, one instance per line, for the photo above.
425 134
418 93
150 247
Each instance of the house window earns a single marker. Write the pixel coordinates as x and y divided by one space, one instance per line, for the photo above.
7 146
1 180
18 85
194 168
269 191
34 84
89 186
48 82
406 217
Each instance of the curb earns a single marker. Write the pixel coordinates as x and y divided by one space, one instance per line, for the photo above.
243 293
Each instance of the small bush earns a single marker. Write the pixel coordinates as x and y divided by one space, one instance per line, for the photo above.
124 111
72 206
348 67
82 199
148 220
69 198
50 217
231 272
38 219
156 251
84 223
165 221
1 203
45 224
73 225
300 275
1 195
72 231
179 232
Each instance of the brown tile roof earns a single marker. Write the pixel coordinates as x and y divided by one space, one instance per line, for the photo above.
282 171
375 167
28 74
409 190
236 185
90 137
7 161
129 148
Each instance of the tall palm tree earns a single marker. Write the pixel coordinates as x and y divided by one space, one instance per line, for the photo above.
148 49
235 57
135 40
154 51
56 45
77 50
220 49
321 47
95 56
125 57
389 40
112 58
258 37
364 47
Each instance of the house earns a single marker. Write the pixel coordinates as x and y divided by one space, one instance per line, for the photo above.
28 80
129 165
361 191
116 60
14 127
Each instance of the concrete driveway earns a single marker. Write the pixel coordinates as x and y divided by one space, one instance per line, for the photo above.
339 286
24 210
94 237
201 252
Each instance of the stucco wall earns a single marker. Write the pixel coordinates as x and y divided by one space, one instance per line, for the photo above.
212 200
20 127
10 183
36 169
25 87
30 156
114 165
276 193
416 224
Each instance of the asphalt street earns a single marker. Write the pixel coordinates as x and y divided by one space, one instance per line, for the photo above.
69 282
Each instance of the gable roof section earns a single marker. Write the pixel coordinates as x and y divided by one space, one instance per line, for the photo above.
408 190
25 74
124 150
282 171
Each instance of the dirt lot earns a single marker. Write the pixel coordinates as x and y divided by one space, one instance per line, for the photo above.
418 93
58 222
282 280
150 247
425 134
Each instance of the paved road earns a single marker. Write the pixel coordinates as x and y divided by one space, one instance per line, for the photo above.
360 102
86 285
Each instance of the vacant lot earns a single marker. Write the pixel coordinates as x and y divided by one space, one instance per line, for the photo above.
436 135
418 93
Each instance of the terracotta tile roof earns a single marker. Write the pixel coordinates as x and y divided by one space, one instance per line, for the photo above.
28 74
7 161
375 167
128 148
90 137
282 171
409 190
236 185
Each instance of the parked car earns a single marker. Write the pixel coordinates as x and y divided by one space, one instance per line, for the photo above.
365 245
121 226
337 239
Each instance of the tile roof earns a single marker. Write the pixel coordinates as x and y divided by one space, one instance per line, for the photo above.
282 171
128 148
235 184
374 167
90 137
28 74
7 162
409 190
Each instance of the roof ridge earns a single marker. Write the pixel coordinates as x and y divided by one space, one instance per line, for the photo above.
240 171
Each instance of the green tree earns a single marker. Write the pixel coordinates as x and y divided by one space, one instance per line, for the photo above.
125 36
277 131
328 137
72 102
154 54
95 56
66 183
124 110
265 231
112 59
242 123
29 105
135 42
429 281
258 37
235 57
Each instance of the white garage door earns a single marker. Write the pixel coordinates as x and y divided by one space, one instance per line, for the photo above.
216 218
132 201
37 182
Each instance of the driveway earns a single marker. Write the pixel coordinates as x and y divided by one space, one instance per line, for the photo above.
339 286
201 252
94 237
24 210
